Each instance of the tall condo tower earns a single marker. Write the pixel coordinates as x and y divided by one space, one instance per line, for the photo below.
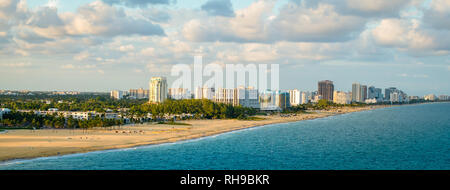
326 89
158 90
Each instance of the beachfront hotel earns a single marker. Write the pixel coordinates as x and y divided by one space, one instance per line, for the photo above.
326 89
158 89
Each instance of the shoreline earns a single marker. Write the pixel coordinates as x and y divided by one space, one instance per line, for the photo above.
49 143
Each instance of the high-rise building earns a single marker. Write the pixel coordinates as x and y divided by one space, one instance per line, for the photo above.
226 96
117 94
179 93
378 94
340 97
363 93
282 99
430 97
305 97
443 97
204 93
295 97
374 94
139 93
247 97
356 92
395 95
268 101
326 89
387 93
371 92
158 89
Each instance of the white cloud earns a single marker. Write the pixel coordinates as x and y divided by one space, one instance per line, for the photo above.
126 48
81 56
320 24
18 65
409 35
68 66
98 18
295 22
438 14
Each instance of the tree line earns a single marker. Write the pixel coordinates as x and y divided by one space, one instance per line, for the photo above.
203 108
31 120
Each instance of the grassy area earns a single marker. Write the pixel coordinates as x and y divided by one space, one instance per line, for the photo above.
252 118
172 123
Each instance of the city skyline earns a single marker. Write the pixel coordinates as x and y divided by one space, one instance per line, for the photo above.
99 46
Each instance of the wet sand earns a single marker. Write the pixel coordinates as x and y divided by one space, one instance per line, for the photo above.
22 144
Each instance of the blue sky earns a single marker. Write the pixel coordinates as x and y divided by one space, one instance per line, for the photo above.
100 45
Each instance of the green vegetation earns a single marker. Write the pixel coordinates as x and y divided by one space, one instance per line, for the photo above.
137 110
173 123
252 118
23 120
199 109
68 103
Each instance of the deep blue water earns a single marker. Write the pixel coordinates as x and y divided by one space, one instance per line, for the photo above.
405 137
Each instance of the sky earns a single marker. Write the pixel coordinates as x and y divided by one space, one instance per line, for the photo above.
102 45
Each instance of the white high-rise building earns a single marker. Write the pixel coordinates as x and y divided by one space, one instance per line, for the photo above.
295 97
305 97
430 97
158 89
226 96
340 97
138 93
117 94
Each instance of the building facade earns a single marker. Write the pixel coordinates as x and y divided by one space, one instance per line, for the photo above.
356 92
267 101
326 89
430 97
305 97
179 93
204 93
117 94
295 97
247 97
363 93
139 93
340 97
158 90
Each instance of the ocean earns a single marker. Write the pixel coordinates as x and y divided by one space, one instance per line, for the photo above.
407 137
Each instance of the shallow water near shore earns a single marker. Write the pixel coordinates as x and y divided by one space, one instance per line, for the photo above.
403 137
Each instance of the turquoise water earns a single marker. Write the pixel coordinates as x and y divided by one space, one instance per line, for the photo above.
405 137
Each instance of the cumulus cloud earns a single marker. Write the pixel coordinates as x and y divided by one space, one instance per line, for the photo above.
81 56
248 25
136 3
295 22
410 35
219 8
438 14
320 24
94 19
98 18
156 15
365 8
126 48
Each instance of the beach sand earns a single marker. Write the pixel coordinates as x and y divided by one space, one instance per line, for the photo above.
23 144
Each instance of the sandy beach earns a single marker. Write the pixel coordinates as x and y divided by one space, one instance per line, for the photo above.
23 144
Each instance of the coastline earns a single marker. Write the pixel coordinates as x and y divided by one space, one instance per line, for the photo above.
28 144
